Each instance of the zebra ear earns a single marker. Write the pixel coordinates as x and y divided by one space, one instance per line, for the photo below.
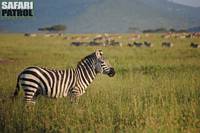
98 53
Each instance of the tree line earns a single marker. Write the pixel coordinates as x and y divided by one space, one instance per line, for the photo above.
54 28
157 30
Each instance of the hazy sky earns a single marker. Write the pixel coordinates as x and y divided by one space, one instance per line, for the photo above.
195 3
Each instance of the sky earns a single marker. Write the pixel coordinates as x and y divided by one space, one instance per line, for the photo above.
195 3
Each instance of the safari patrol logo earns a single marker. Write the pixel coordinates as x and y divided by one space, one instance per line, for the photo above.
17 8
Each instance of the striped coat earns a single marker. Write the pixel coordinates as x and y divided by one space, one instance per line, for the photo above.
62 83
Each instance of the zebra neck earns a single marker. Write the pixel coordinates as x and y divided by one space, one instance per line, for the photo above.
85 73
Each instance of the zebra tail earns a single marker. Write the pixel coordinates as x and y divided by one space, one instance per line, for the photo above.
17 89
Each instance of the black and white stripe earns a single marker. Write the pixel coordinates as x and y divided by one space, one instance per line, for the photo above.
62 83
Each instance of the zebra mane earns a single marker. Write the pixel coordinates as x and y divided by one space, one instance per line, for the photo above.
87 57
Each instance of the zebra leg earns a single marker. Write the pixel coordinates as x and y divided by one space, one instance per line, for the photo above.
74 99
29 96
36 94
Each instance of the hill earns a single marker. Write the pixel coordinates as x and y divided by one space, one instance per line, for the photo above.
117 16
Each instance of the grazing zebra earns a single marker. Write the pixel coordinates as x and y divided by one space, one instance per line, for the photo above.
62 83
167 44
137 44
148 44
194 45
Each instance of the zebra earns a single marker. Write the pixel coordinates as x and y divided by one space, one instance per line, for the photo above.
194 45
71 82
148 44
137 44
167 44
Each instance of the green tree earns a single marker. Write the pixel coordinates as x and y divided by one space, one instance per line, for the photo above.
54 28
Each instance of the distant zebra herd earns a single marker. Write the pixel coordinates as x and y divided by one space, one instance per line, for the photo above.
164 44
62 83
149 44
134 44
140 44
114 39
96 43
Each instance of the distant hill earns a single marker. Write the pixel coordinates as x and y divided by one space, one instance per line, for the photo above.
108 16
118 15
194 29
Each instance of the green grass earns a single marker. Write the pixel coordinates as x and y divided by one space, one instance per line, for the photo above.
154 90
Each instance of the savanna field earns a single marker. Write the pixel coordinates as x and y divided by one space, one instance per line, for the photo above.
154 90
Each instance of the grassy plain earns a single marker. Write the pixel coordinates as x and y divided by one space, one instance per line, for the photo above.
155 89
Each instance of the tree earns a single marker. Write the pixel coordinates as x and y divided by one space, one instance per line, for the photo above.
172 30
54 28
158 30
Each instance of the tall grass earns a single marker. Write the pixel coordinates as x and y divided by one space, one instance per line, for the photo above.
154 90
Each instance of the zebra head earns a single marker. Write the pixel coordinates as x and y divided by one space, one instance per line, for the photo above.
102 65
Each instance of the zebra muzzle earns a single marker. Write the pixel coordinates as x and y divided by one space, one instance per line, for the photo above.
111 72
